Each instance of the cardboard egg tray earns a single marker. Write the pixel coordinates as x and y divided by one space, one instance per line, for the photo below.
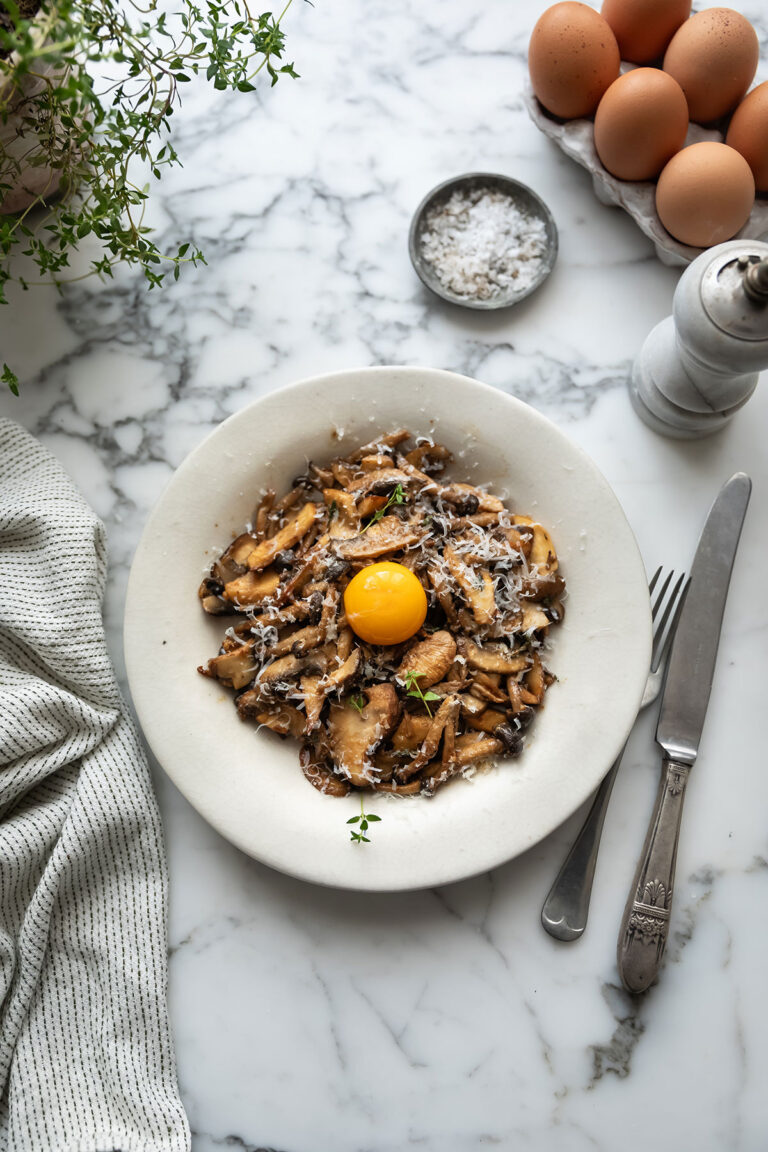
576 139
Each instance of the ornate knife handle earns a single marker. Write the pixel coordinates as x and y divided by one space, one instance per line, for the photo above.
645 925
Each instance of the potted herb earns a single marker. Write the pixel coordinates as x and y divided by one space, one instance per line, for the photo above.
87 90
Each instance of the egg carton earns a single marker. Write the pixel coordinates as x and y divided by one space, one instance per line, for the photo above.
576 139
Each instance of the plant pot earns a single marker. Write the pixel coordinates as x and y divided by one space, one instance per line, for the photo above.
17 138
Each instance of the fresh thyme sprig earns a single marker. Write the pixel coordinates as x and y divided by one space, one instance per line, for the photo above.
358 702
411 683
397 497
363 820
90 86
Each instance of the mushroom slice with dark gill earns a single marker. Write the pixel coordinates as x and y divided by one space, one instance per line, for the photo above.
355 735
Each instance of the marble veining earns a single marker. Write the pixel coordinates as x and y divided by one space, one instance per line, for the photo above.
311 1020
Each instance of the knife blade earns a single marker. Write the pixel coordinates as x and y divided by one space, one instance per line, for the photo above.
687 687
691 663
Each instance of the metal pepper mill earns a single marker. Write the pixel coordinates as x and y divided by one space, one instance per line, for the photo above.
701 364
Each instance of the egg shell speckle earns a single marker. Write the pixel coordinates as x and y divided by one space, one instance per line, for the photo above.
713 57
572 58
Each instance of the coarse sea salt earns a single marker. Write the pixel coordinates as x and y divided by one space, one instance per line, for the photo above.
481 246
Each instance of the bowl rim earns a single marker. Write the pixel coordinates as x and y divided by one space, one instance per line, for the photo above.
515 188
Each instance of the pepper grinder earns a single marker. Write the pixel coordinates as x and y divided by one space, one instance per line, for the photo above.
701 364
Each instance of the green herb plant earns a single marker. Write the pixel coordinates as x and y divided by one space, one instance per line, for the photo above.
358 702
411 680
397 497
87 91
363 821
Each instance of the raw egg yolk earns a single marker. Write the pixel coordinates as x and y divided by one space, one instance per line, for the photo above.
385 603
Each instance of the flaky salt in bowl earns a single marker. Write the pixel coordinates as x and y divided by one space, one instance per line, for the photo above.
483 241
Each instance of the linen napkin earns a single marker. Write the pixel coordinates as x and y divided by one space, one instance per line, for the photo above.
86 1056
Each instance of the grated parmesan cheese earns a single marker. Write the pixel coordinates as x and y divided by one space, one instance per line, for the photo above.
480 245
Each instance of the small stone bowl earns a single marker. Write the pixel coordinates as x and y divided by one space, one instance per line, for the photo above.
524 198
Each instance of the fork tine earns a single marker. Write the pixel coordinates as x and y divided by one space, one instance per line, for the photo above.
662 634
662 592
653 580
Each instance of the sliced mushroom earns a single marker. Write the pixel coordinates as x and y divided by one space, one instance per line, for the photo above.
355 736
284 668
391 440
472 705
444 718
429 659
240 549
540 587
477 586
487 721
343 473
264 553
343 516
300 642
261 514
534 617
411 732
314 699
488 687
315 767
339 677
283 719
472 747
431 458
519 697
542 550
234 669
381 483
390 534
469 749
392 786
370 505
440 584
536 680
492 657
252 588
375 462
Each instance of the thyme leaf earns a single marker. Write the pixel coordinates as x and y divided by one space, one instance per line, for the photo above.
397 497
364 820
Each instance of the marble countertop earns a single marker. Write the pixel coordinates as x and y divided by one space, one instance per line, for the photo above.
312 1020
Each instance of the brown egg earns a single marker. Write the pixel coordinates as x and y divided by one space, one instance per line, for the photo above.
705 194
640 123
713 57
748 133
643 28
572 58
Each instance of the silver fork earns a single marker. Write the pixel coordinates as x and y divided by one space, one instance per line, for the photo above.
566 908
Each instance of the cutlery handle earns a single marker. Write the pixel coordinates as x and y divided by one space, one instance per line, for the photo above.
645 925
566 908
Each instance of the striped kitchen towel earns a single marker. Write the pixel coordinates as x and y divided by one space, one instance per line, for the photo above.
86 1057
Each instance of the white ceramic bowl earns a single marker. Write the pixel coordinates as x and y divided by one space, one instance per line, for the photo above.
248 784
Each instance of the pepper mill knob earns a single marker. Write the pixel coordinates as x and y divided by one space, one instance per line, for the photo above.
755 278
701 364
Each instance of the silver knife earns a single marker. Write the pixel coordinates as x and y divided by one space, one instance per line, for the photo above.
684 703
